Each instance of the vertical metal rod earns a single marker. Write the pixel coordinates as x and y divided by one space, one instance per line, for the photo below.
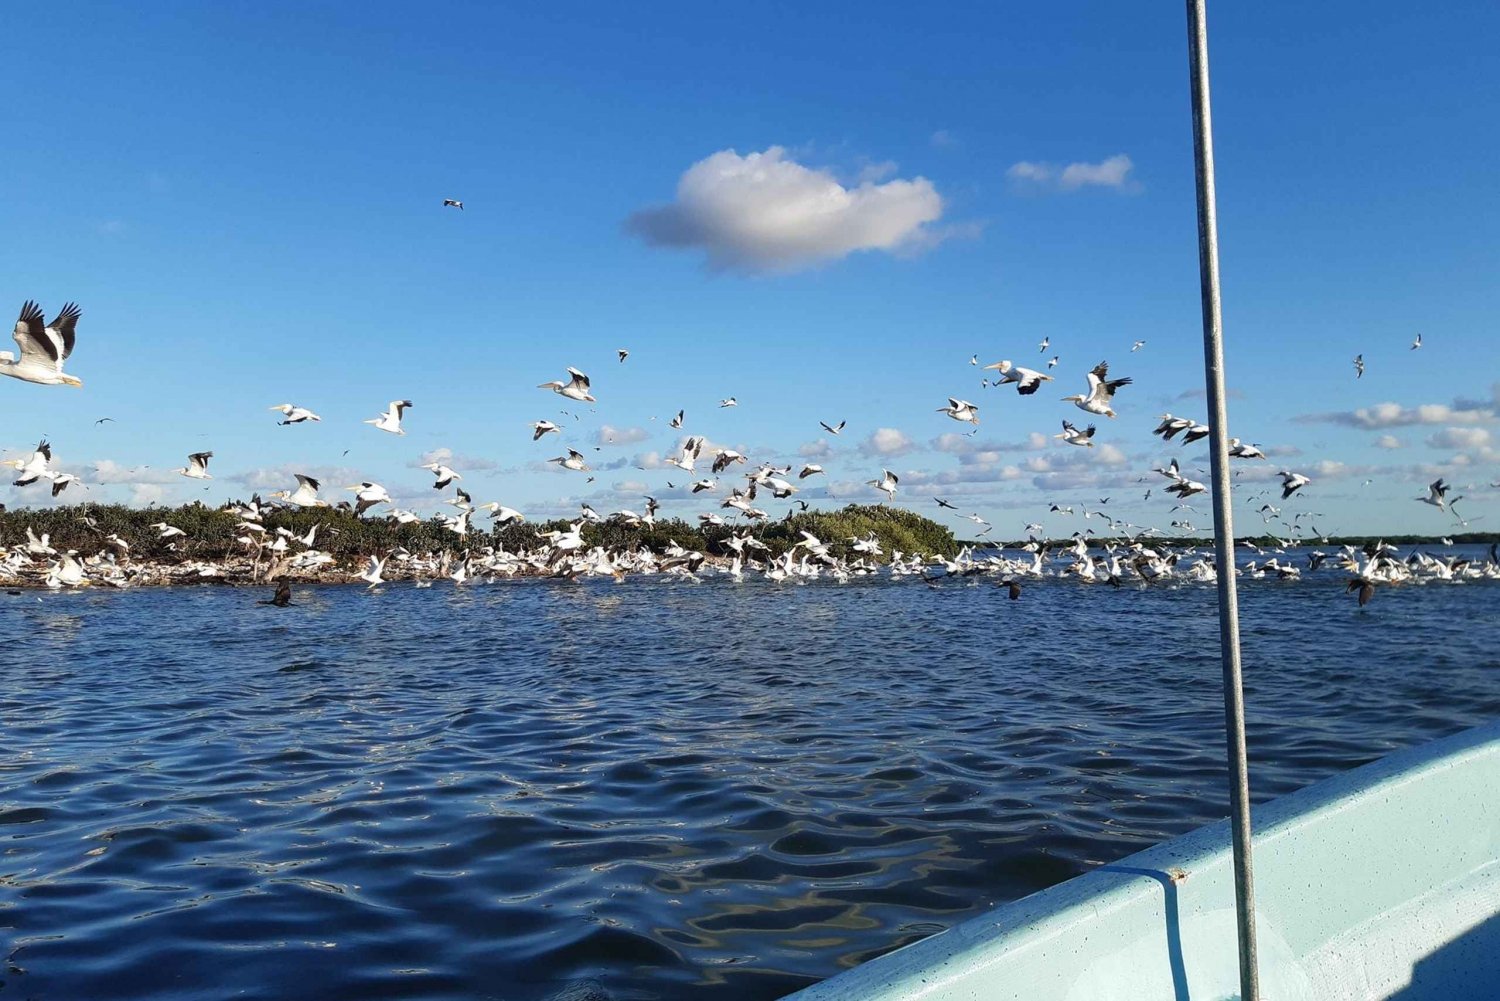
1218 422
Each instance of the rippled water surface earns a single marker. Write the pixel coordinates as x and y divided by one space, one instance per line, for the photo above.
653 789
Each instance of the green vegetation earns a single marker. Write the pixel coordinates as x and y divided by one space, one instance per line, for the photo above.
211 532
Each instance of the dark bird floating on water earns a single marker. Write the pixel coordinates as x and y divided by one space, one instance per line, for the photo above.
283 596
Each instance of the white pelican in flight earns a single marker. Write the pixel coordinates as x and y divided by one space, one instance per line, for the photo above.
34 467
1041 348
1101 392
44 347
1241 450
306 494
60 481
577 388
573 460
729 402
1027 380
1137 346
1416 343
367 495
294 414
1437 494
833 428
453 203
372 573
539 428
886 483
391 419
1073 436
197 467
1292 482
811 469
961 410
623 353
501 514
444 475
1359 366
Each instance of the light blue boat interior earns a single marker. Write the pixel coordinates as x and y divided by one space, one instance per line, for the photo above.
1382 882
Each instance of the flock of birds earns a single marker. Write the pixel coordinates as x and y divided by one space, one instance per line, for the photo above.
45 347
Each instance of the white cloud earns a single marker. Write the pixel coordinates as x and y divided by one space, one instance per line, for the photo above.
1460 438
1387 441
766 212
819 449
942 139
447 457
1392 415
887 442
1113 172
608 435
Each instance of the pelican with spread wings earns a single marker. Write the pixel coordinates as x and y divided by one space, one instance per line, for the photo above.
44 346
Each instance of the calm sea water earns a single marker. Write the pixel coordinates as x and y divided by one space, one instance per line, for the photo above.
644 790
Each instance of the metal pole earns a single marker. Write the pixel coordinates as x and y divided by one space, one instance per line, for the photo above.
1218 422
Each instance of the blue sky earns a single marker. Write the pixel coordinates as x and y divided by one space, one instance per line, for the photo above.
246 201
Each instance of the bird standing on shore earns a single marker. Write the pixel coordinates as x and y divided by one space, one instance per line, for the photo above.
44 346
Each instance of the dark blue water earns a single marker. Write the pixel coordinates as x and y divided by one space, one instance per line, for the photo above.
652 789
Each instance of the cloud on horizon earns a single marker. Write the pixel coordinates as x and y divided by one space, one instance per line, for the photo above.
765 212
1113 172
1394 415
